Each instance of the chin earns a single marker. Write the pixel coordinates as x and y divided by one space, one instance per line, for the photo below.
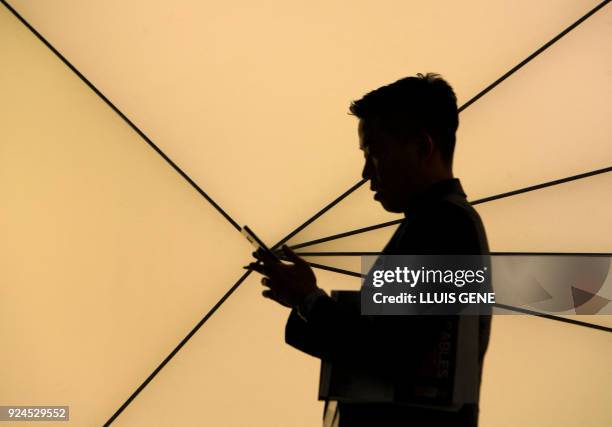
391 207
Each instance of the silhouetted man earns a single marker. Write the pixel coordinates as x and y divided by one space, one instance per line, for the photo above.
407 134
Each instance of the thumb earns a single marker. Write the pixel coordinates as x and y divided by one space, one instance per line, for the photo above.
292 256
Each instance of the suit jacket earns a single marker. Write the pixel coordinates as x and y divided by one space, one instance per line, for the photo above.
438 221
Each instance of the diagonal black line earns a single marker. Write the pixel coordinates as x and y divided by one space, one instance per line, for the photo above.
475 202
346 234
543 185
123 116
533 55
467 104
321 212
177 348
338 253
502 306
358 253
335 270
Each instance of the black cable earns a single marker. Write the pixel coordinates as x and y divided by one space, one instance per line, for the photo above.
475 202
357 253
534 54
123 116
335 270
543 185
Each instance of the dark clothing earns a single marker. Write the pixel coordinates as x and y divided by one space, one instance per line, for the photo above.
438 221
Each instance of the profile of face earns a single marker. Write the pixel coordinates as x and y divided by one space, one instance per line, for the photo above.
397 167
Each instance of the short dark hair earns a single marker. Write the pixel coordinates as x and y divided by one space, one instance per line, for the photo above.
425 102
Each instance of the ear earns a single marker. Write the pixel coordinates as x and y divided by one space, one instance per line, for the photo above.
426 145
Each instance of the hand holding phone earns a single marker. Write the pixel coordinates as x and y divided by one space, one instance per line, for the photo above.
288 283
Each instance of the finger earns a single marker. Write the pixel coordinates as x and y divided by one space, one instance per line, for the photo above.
268 293
267 281
256 267
292 256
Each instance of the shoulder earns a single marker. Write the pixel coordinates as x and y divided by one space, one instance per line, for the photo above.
450 226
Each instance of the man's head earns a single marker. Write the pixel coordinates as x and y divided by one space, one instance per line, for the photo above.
407 133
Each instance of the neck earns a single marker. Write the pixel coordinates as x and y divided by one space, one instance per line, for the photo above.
441 175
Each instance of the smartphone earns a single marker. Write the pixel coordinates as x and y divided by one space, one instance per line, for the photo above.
256 241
